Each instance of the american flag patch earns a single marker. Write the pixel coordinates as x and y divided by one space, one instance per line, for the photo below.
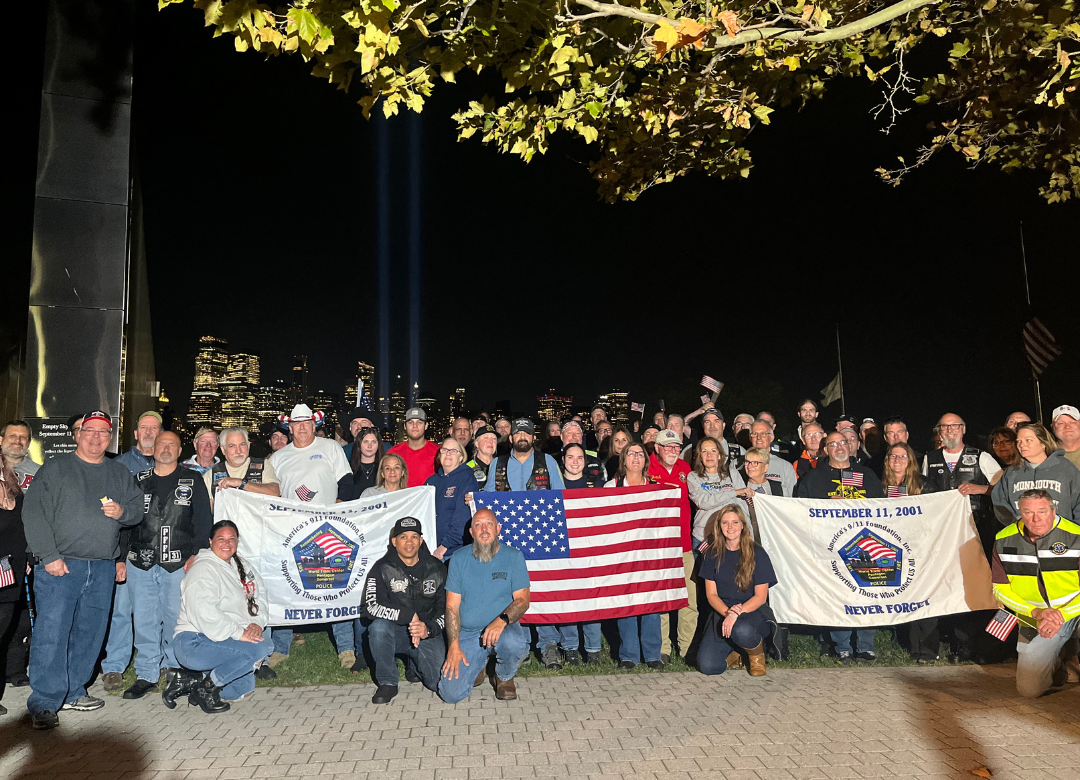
636 407
851 478
711 384
304 494
1001 625
704 545
895 491
7 576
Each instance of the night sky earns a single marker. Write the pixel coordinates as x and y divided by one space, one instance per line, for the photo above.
259 193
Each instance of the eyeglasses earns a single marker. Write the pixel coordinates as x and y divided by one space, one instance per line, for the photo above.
449 450
755 463
901 456
96 432
950 426
814 435
635 454
836 444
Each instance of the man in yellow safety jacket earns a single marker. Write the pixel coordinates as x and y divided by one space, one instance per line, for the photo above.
1036 573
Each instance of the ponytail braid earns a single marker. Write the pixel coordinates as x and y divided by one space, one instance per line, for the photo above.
249 587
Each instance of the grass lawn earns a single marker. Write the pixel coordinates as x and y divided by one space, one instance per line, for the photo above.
315 662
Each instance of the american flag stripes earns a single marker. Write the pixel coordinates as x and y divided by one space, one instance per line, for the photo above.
332 546
595 553
877 551
1040 347
7 576
705 399
711 384
304 493
636 407
1001 625
895 491
851 478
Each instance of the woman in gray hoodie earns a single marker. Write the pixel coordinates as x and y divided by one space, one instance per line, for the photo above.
1043 466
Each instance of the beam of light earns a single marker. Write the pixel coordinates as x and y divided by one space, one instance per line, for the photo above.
414 252
382 152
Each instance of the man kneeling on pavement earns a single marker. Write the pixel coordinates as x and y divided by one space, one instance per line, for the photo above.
405 597
487 592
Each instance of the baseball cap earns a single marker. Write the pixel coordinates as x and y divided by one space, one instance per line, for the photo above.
668 437
484 430
406 524
1072 411
715 413
568 423
416 413
97 415
522 424
848 419
144 415
653 427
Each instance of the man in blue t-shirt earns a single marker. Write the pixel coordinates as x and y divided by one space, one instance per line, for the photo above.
487 592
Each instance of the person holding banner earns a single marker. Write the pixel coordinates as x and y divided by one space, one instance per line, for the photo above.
393 476
738 574
711 485
1036 574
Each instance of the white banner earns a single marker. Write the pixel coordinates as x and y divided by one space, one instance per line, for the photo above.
314 559
873 562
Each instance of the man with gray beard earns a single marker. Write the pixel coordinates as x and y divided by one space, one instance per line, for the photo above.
487 592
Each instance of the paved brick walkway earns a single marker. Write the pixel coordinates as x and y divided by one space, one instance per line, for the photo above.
792 724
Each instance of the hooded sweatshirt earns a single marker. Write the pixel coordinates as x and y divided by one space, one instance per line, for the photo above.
711 492
213 601
1056 475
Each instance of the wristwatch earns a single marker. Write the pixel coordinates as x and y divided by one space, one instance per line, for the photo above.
505 617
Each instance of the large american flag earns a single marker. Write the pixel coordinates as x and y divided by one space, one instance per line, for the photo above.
595 553
1040 346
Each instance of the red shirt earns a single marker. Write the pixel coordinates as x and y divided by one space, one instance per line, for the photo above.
420 463
677 478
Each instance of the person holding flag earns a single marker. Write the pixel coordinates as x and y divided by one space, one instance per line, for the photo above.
1036 575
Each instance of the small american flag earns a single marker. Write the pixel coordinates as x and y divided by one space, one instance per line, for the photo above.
711 384
1040 346
705 399
304 494
7 576
595 553
851 478
1001 625
636 407
895 491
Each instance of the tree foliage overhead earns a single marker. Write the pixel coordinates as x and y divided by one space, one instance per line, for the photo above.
661 87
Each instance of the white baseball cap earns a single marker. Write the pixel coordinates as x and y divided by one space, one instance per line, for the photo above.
1072 411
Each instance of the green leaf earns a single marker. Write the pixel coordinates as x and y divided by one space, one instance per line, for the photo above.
960 49
594 108
307 24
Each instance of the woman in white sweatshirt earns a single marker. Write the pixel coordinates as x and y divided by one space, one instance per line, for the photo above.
219 634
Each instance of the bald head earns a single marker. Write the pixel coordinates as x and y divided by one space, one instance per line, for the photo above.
166 449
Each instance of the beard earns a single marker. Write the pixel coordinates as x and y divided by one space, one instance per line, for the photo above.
952 442
15 453
522 446
484 552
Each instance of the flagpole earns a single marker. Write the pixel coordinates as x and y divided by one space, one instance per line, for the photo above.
840 365
1027 292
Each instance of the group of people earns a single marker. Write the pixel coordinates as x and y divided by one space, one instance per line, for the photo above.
126 555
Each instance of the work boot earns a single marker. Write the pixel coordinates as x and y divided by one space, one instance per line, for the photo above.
734 660
480 679
757 660
347 659
113 682
592 658
139 689
384 694
573 658
505 690
178 682
208 696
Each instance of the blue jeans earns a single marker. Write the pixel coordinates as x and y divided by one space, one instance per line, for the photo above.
630 648
120 640
509 650
155 601
348 635
282 638
1037 658
387 639
231 663
749 629
566 636
864 639
73 612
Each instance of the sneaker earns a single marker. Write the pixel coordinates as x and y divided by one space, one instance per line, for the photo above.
113 682
665 658
847 659
867 655
550 657
276 658
139 689
592 658
264 672
627 665
656 664
18 681
45 719
924 661
573 658
384 694
347 659
85 703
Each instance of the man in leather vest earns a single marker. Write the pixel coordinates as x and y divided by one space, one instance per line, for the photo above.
485 443
176 524
240 471
524 468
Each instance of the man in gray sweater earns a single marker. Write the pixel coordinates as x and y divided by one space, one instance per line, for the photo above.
72 515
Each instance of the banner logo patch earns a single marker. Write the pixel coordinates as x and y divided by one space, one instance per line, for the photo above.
325 558
871 560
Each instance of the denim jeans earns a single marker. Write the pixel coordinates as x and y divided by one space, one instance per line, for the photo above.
566 636
155 601
69 630
387 639
231 662
1037 658
348 635
864 639
749 629
282 638
630 648
509 650
120 639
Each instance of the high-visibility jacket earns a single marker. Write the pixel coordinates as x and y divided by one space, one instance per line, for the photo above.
1053 560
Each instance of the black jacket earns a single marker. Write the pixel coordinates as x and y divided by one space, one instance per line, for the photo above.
176 520
825 482
394 591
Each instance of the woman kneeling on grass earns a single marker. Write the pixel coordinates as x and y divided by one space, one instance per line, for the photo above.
737 574
219 635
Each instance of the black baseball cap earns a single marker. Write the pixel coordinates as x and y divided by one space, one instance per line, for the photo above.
406 524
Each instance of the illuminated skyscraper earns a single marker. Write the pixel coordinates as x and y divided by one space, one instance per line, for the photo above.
617 405
553 407
328 404
299 379
364 373
238 406
271 401
457 403
211 362
243 368
204 410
